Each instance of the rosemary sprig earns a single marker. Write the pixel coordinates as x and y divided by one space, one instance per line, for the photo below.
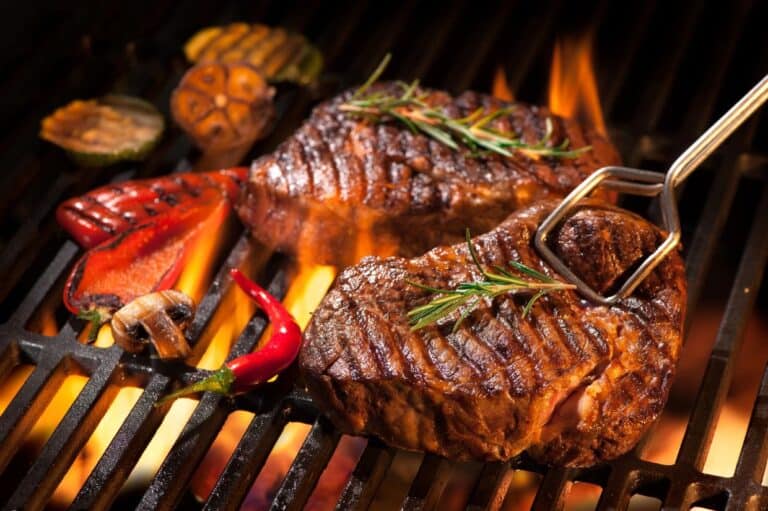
410 108
468 294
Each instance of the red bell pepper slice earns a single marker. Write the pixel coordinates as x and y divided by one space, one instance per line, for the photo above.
144 258
110 210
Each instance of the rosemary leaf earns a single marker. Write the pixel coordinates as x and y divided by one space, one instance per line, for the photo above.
474 131
374 76
467 295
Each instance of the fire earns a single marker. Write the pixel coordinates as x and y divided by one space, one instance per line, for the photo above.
572 84
200 258
307 288
230 318
500 88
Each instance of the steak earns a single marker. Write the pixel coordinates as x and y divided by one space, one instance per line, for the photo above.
573 382
342 187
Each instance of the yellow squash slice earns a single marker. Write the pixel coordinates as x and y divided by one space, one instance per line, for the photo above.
279 54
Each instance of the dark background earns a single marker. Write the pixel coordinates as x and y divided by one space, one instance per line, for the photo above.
665 71
53 52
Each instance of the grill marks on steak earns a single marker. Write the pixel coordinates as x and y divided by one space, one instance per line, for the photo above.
573 382
340 180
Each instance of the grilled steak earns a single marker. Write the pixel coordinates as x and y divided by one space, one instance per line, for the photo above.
342 187
573 382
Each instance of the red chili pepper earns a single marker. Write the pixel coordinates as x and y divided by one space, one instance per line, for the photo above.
249 370
110 210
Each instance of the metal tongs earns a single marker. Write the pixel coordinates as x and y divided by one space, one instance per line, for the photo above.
649 184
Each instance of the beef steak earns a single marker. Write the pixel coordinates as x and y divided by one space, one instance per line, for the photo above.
342 187
573 382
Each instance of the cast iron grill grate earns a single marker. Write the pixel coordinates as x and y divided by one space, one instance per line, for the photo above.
668 79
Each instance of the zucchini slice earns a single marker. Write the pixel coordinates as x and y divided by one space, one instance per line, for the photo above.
281 55
100 132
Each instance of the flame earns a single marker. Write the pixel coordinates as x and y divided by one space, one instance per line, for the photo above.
307 288
500 88
202 252
230 318
572 84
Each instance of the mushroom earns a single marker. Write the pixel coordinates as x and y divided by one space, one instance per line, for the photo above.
159 317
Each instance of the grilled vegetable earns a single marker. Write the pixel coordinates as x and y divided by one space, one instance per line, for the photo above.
223 106
110 210
100 132
143 259
159 318
279 54
247 371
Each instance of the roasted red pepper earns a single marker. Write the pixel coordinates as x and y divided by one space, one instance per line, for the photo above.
245 372
142 259
108 211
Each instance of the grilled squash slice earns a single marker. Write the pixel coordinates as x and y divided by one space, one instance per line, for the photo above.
100 132
279 54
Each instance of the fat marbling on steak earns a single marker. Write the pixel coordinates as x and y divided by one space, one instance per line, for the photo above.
341 186
573 382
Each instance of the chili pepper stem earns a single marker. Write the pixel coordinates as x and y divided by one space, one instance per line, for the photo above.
95 318
248 370
219 381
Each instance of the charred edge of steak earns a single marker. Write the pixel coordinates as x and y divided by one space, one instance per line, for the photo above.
339 180
575 383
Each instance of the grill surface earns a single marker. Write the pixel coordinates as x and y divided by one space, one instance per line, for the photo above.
663 78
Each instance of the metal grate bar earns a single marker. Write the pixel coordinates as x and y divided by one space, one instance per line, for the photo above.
125 449
220 286
68 438
29 230
616 493
492 484
246 461
712 222
729 339
200 431
307 467
63 259
168 485
754 453
552 490
367 477
27 405
428 485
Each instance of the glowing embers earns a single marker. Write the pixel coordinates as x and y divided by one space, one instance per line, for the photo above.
572 84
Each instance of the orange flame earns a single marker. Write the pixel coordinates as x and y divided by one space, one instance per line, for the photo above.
500 88
572 85
230 318
307 288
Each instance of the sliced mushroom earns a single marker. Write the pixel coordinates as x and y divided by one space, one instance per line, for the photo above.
160 318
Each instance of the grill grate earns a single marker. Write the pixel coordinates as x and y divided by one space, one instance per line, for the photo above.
645 57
